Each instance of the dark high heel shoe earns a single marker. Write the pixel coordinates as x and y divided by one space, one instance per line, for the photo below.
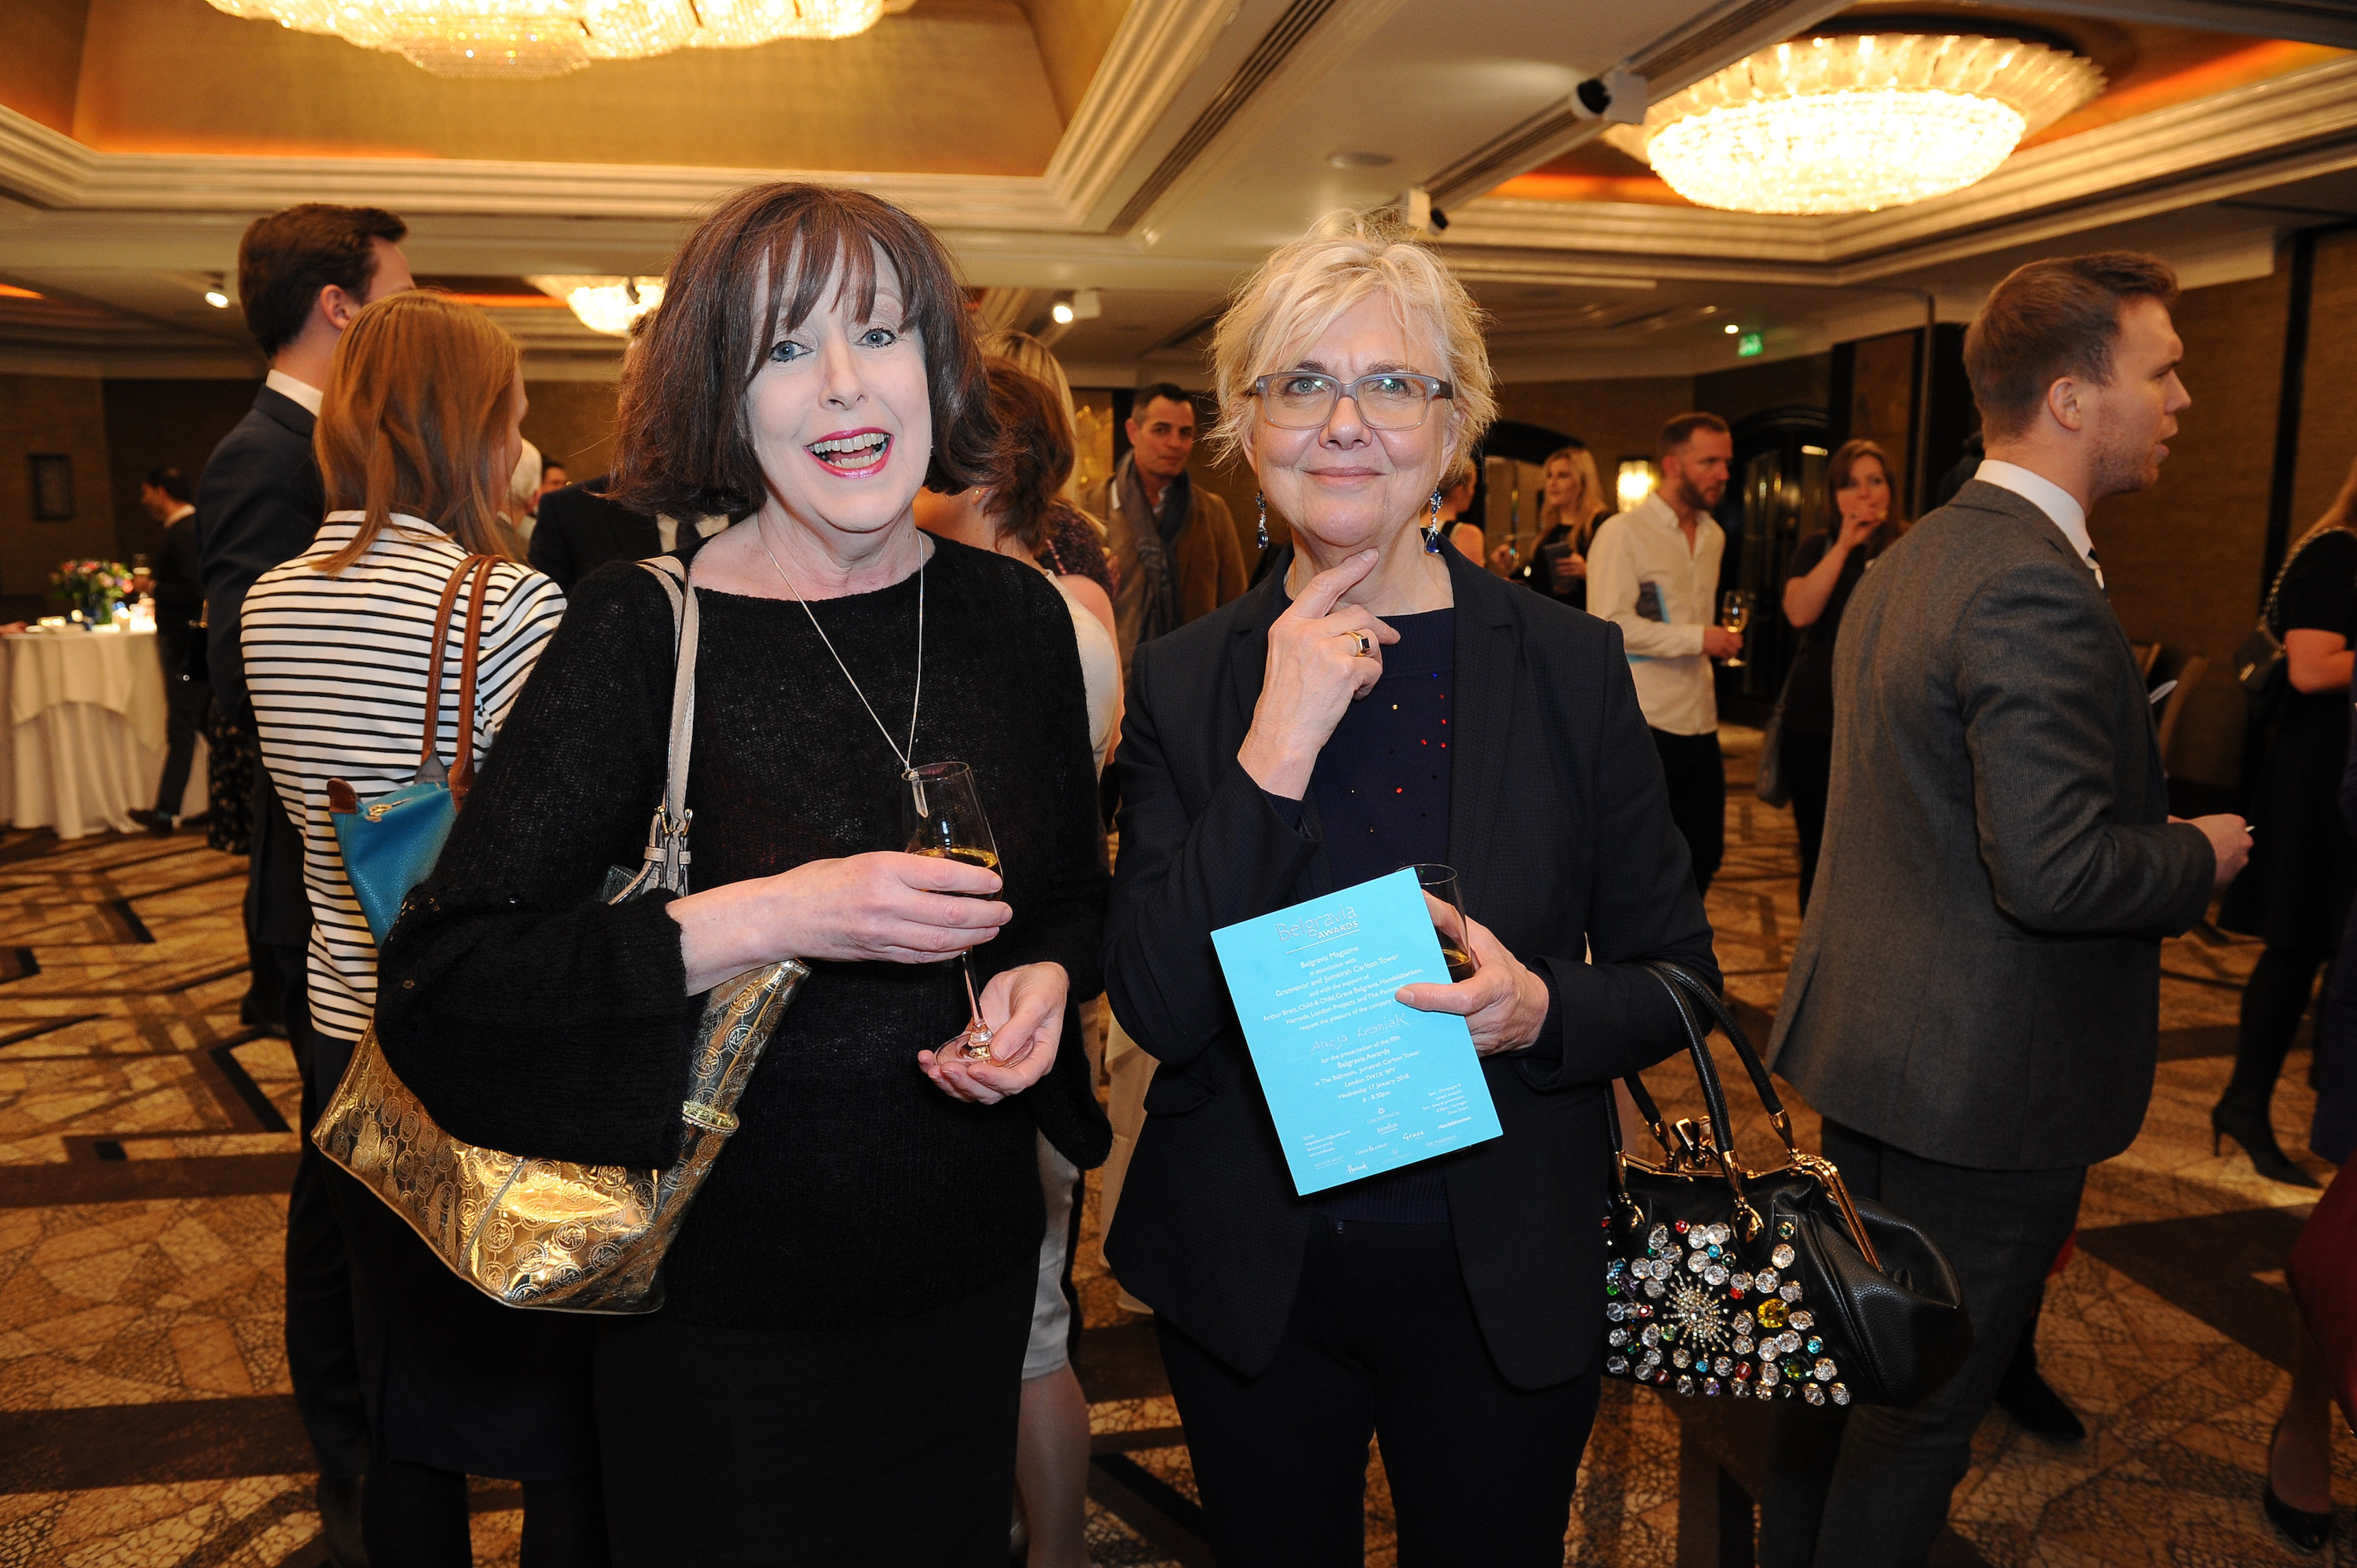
2309 1532
2258 1141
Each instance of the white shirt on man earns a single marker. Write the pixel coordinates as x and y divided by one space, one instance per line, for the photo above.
2050 498
301 391
179 511
1660 592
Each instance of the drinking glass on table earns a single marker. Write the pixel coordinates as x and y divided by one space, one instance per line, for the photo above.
1447 902
941 815
1735 614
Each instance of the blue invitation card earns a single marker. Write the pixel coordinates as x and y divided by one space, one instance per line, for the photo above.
1358 1083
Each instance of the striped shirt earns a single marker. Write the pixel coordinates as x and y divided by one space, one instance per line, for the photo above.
336 666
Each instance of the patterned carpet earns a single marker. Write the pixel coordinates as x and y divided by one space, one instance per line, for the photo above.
144 1153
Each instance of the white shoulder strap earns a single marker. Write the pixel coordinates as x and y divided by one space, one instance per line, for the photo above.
667 856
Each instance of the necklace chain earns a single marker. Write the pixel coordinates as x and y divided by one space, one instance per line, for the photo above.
916 698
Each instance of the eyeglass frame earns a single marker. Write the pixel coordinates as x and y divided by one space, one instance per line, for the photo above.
1436 388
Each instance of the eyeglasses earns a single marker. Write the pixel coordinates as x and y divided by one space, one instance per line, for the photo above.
1387 400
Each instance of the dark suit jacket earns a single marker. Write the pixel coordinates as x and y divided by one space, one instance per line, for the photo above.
1978 980
259 504
1559 826
580 531
180 594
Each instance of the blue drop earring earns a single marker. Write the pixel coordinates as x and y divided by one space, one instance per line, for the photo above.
1263 520
1432 530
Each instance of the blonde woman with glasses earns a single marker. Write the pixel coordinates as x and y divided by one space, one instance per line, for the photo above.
1382 702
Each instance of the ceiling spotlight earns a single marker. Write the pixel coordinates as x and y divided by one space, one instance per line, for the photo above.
218 296
1358 160
1081 305
1062 311
1732 329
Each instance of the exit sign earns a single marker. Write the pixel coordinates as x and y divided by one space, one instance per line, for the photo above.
1748 345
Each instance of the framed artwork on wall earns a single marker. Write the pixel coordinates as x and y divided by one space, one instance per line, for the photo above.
53 495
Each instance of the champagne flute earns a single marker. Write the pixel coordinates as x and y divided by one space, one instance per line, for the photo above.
1439 884
941 816
1735 614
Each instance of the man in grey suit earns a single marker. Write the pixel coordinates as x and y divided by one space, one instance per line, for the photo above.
1973 1004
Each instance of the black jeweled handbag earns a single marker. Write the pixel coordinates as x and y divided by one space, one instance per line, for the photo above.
1722 1279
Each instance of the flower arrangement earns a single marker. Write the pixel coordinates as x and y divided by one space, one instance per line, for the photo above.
94 588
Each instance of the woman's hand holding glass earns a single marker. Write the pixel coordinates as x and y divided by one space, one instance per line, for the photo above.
1320 658
1024 1009
885 906
1504 1004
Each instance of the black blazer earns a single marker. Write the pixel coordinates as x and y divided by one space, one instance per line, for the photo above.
179 592
259 504
580 531
1559 826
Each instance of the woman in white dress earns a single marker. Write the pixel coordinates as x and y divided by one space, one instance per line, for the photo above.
1022 513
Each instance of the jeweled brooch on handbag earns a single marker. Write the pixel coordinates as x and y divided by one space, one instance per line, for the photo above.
1687 1315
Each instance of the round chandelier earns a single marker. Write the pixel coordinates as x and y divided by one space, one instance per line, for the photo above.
527 38
1855 123
611 305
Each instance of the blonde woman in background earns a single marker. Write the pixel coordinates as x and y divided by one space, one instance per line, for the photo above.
417 442
1572 505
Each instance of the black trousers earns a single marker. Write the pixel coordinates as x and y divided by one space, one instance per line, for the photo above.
892 1445
1696 774
1867 1489
1808 763
1382 1342
2274 1000
322 1354
185 702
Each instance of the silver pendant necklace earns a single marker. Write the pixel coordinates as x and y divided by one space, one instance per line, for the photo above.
916 698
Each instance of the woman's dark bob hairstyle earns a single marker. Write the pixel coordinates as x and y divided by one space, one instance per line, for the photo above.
686 446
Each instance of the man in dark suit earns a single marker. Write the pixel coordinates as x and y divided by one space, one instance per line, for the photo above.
179 599
580 531
1973 1004
302 275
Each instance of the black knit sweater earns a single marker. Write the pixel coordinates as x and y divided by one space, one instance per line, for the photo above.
528 1016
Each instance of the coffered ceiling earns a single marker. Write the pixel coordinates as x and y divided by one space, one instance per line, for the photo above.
1150 150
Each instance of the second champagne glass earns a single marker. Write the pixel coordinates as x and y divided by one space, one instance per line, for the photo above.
1735 614
1439 885
941 815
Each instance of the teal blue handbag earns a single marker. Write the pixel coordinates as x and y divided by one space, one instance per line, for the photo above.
390 844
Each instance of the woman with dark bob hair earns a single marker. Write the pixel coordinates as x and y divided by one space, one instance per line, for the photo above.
1381 704
835 1374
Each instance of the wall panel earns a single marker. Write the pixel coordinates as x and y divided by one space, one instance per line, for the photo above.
153 423
61 414
2184 559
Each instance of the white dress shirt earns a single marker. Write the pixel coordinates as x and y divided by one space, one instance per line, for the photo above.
1645 546
302 391
2050 498
179 511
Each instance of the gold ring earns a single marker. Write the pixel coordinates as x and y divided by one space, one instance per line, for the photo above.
1366 644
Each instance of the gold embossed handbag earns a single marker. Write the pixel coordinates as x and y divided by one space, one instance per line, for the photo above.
556 1233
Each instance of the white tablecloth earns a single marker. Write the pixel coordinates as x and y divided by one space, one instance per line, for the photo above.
84 742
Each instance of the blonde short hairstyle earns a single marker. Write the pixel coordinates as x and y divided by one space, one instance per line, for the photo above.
1305 287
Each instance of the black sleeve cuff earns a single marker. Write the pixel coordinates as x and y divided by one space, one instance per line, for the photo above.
1289 811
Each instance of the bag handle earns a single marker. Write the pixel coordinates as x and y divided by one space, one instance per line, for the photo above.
667 857
429 760
462 765
1715 1008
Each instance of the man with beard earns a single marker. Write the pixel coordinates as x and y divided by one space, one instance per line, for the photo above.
1974 1001
1653 571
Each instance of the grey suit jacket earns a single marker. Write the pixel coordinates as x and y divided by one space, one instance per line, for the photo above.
1978 980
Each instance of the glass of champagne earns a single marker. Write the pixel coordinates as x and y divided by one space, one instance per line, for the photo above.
1735 614
1448 906
941 815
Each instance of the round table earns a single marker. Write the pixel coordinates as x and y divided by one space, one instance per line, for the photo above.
84 742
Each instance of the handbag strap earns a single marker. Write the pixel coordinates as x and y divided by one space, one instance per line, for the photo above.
429 759
667 857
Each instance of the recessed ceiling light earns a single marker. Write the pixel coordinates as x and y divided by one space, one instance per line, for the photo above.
216 299
1359 160
1062 311
1732 329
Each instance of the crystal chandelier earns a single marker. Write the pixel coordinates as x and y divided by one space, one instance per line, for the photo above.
611 305
1856 122
524 38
